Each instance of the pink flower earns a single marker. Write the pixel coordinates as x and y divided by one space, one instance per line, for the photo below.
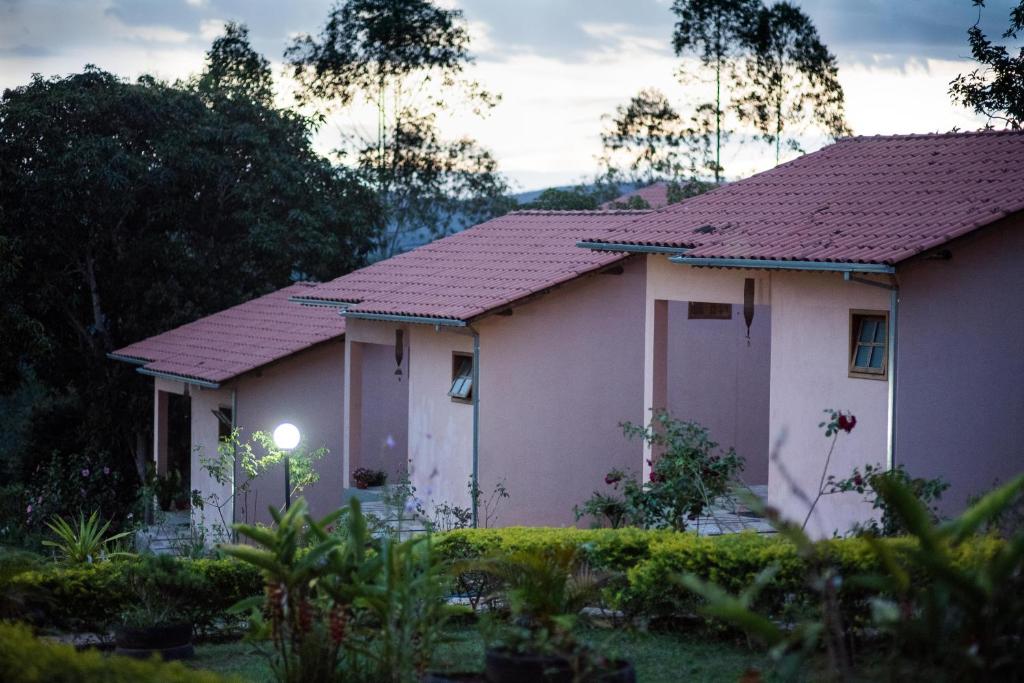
28 510
85 471
106 470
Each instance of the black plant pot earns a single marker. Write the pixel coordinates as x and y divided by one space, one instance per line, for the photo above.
503 666
448 677
168 641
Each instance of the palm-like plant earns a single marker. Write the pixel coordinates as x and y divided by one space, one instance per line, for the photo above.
290 573
85 543
544 592
337 611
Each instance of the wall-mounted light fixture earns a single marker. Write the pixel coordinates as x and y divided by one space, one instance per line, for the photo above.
399 351
748 304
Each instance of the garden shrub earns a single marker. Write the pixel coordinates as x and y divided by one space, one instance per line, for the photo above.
92 597
25 659
649 561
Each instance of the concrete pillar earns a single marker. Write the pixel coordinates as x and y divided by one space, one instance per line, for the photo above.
160 399
353 410
655 367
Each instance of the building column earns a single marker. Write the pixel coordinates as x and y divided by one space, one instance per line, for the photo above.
160 399
353 409
655 368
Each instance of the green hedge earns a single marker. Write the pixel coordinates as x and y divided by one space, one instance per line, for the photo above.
91 597
24 659
647 563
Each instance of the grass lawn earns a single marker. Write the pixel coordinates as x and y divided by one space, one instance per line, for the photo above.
658 657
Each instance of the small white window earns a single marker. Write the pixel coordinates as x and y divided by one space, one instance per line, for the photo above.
462 378
869 349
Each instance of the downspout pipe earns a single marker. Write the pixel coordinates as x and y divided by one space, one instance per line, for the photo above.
234 463
476 426
894 309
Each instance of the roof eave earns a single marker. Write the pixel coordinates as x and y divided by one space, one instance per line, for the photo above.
128 359
777 264
325 303
206 384
631 248
404 318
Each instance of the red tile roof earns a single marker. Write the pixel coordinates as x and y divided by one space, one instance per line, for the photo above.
864 199
656 195
239 339
478 270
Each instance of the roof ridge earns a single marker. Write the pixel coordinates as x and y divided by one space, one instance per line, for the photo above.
576 212
922 136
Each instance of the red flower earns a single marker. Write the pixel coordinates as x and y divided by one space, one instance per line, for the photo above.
847 422
858 480
612 478
657 478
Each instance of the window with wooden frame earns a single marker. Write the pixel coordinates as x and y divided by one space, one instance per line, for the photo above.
869 344
462 378
704 310
224 423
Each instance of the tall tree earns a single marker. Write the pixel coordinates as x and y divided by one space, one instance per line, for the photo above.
141 206
715 32
647 140
406 58
996 90
792 78
234 69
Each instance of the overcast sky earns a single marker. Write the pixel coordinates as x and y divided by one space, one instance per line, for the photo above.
559 64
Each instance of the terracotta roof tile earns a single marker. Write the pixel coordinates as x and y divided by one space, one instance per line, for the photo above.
238 339
478 270
865 199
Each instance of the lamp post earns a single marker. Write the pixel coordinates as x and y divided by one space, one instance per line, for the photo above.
286 437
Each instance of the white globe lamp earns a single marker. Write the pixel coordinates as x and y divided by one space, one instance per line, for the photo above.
286 437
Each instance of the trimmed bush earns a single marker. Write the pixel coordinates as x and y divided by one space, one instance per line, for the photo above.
91 597
24 659
648 563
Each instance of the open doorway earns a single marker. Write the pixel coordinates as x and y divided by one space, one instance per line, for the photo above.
175 471
383 421
717 374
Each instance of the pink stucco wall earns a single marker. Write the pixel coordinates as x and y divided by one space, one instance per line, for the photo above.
304 389
810 372
717 378
960 386
385 411
440 429
557 378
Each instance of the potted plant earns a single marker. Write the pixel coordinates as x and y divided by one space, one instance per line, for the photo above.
544 593
157 623
365 478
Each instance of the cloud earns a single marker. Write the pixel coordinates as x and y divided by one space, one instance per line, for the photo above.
25 51
560 64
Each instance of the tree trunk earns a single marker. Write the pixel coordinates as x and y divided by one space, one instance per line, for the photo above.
99 319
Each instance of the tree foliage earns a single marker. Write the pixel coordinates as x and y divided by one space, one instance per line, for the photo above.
791 79
405 58
996 89
715 31
128 208
647 140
